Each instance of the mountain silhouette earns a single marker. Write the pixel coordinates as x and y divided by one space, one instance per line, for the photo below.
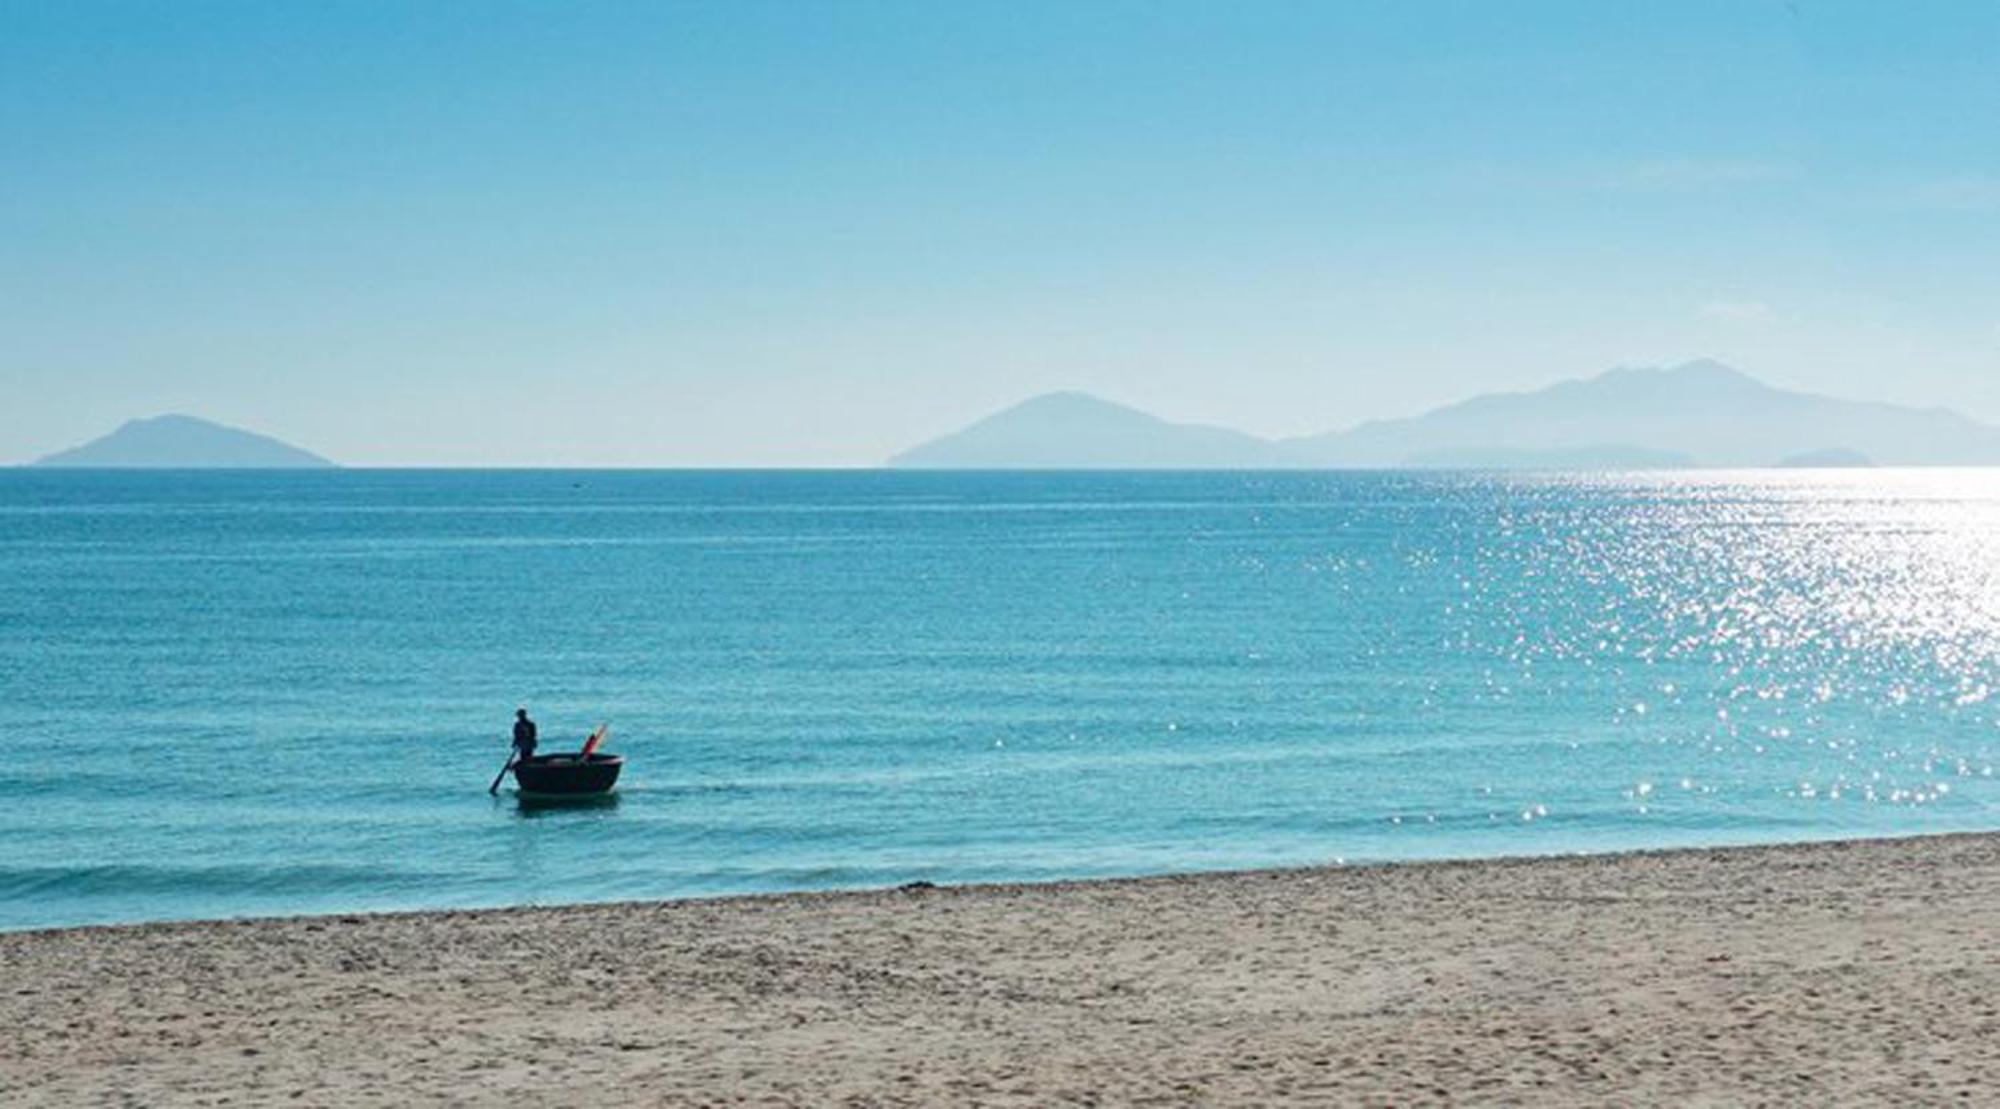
1601 457
1832 458
1697 414
1716 415
1081 432
185 442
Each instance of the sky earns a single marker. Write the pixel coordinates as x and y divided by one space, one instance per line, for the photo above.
811 234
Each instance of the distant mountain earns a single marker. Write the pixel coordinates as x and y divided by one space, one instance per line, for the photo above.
184 442
1077 431
1832 458
1605 457
1696 414
1714 414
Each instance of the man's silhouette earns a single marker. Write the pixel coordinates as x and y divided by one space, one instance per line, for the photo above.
524 735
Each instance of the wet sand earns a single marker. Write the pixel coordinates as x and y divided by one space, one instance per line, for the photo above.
1853 973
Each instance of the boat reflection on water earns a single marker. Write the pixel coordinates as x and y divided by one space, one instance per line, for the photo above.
545 804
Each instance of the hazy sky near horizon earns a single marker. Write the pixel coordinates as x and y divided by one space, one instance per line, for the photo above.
812 234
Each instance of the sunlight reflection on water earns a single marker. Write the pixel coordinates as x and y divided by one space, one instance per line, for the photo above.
279 692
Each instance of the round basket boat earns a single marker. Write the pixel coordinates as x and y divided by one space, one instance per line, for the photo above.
568 775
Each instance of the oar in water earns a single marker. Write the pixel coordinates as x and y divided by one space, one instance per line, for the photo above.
502 776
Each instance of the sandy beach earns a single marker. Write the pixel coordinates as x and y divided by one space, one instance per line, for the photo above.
1850 973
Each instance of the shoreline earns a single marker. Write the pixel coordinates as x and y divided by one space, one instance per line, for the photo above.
1842 970
1024 885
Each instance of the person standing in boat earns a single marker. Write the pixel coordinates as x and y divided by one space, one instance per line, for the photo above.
524 735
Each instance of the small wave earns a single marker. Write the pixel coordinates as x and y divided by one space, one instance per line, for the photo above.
129 879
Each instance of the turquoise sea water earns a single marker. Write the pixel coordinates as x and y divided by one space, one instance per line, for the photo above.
228 694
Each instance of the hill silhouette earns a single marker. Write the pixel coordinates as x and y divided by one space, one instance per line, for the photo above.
1833 458
1079 431
1715 415
185 442
1700 413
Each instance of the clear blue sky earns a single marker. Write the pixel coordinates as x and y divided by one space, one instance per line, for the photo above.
812 233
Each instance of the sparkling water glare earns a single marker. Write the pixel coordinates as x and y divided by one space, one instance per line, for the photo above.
246 693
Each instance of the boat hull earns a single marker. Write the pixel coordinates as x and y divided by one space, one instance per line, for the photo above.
567 775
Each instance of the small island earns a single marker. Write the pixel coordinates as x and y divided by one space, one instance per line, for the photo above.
185 443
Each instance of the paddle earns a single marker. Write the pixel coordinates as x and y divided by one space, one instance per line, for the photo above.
494 789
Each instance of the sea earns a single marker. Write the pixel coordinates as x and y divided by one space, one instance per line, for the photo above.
232 694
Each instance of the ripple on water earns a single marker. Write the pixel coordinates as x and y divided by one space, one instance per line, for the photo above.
266 693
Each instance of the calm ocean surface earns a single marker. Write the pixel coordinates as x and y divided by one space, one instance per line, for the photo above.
227 694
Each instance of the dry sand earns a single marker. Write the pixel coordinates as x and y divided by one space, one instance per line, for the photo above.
1842 973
